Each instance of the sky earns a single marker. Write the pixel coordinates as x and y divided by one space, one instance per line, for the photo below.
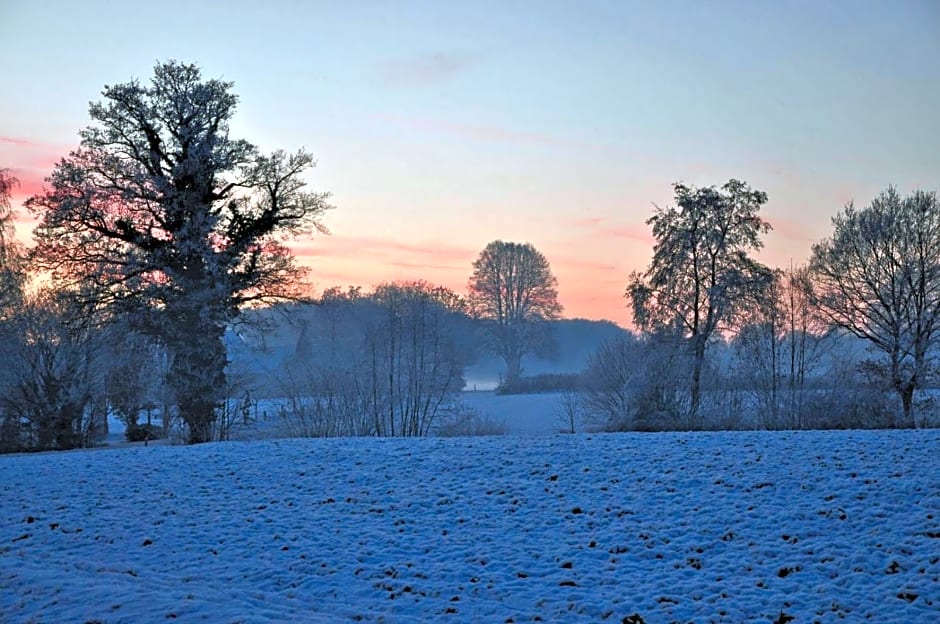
441 126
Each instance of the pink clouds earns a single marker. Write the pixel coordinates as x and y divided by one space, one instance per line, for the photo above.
600 299
18 142
584 265
388 250
366 261
30 183
30 162
601 228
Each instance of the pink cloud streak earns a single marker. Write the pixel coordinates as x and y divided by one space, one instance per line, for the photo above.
20 142
599 227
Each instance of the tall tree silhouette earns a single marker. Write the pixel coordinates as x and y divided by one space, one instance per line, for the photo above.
162 216
701 276
878 276
513 291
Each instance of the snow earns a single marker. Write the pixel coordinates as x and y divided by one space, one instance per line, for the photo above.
522 414
733 527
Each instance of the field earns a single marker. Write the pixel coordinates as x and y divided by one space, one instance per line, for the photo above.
725 527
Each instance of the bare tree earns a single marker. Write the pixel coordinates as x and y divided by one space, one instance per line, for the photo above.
416 354
805 341
878 277
132 377
513 291
162 216
780 348
569 410
385 363
701 277
12 279
758 348
609 378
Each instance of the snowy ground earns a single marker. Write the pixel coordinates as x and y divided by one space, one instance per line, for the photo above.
522 414
734 527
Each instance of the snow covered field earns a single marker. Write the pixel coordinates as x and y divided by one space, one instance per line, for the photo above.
734 527
522 414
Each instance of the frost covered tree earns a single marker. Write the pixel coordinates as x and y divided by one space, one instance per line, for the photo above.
132 376
878 277
162 216
514 292
701 277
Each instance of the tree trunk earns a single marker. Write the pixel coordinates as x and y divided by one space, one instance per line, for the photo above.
907 400
198 375
904 385
695 390
513 369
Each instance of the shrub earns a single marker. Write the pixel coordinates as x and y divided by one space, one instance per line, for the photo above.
540 384
469 422
143 432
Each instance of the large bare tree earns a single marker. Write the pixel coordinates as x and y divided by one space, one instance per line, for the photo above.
701 276
163 216
513 291
878 277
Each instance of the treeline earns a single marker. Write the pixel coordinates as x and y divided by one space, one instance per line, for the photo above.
877 277
640 383
158 233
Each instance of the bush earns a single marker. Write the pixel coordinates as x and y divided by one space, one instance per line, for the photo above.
143 432
541 384
850 408
469 422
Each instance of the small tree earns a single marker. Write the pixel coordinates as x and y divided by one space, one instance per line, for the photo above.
162 216
416 354
878 277
55 399
513 291
701 276
758 348
609 379
569 410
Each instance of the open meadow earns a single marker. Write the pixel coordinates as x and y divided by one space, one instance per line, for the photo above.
725 527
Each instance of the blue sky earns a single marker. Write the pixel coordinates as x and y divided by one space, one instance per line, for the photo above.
440 126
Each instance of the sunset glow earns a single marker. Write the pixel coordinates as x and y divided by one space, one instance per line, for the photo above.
439 127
